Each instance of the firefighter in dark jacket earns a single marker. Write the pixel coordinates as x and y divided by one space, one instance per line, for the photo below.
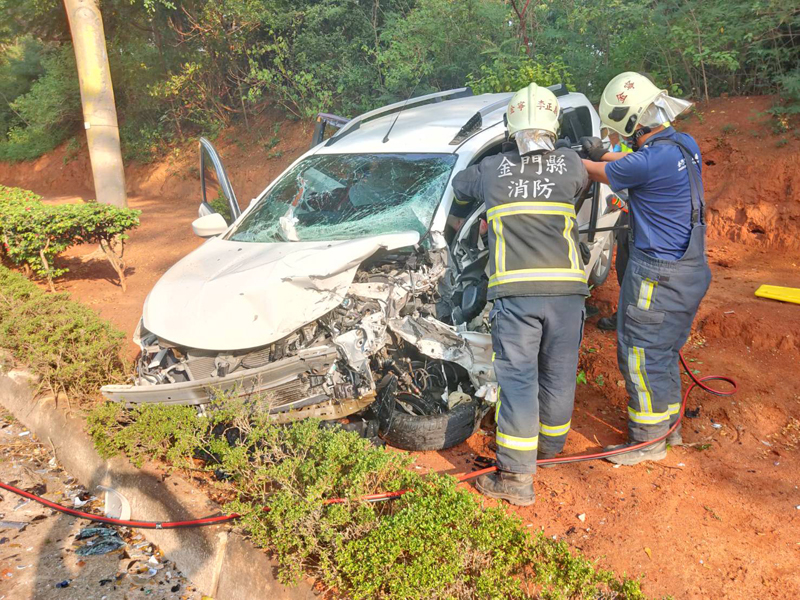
537 283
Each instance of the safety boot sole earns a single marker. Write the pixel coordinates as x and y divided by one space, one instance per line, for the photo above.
510 498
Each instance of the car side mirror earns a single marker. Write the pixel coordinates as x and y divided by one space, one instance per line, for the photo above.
209 225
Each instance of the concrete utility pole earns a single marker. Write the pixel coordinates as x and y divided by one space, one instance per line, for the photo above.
97 97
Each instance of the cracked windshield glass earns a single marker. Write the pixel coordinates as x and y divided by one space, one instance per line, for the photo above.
345 196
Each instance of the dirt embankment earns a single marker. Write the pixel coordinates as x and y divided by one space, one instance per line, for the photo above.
253 155
751 173
716 519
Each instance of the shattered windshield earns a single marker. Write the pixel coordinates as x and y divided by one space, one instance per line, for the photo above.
332 197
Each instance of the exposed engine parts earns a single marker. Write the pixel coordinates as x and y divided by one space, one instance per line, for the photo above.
385 340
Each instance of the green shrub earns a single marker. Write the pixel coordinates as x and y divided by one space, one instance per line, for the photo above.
437 541
168 433
64 342
34 233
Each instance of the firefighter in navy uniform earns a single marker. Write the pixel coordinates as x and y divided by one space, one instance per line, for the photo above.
538 286
667 273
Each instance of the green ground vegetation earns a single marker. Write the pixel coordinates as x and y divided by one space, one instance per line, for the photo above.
64 342
438 541
187 67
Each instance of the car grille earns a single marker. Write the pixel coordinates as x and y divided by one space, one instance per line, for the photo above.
201 367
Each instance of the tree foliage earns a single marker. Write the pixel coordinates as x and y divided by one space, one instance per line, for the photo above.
183 67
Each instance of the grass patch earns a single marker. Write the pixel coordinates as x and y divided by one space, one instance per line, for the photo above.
438 541
66 343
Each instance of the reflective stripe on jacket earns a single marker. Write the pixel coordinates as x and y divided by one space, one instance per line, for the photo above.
533 232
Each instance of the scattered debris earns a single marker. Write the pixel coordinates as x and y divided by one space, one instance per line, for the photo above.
90 531
29 465
582 517
649 553
79 503
103 547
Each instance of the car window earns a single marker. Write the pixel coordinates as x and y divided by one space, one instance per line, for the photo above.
332 197
581 126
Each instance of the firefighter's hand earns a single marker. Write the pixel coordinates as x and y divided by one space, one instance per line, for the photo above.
563 143
593 147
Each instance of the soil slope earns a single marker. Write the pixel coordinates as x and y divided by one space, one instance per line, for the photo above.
718 518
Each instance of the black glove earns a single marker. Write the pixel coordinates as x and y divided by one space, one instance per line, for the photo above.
563 143
593 147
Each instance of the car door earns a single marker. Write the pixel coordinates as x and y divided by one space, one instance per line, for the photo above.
217 192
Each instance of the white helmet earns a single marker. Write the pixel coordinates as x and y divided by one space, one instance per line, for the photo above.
532 118
624 100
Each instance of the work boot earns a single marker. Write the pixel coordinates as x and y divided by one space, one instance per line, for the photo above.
657 451
591 311
516 488
608 323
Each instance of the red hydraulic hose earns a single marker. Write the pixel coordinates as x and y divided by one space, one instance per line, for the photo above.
134 524
696 382
214 520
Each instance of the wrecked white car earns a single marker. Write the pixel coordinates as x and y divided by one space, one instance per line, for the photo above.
340 292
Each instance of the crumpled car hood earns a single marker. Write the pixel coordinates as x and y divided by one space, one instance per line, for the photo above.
235 295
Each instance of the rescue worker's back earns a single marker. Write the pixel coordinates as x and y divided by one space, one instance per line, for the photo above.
530 206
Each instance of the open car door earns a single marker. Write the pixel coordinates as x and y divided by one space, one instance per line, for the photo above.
218 195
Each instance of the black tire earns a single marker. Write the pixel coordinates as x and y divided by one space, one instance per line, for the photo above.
433 432
598 278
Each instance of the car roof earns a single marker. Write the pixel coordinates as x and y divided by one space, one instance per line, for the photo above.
427 128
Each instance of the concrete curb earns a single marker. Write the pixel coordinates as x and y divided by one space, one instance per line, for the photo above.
220 562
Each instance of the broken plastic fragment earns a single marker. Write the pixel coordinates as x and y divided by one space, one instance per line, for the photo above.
108 544
88 532
79 503
116 505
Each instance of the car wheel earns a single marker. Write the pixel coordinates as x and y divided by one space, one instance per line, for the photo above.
602 267
433 432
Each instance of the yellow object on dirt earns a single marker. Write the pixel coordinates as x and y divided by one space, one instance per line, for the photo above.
775 292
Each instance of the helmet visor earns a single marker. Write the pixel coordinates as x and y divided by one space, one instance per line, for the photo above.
532 140
663 110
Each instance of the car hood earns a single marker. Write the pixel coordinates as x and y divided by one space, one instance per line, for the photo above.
235 295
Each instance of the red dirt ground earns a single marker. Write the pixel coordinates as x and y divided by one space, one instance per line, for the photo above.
716 519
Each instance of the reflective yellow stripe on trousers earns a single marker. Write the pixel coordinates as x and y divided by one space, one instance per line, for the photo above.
554 431
651 418
517 443
639 377
646 292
